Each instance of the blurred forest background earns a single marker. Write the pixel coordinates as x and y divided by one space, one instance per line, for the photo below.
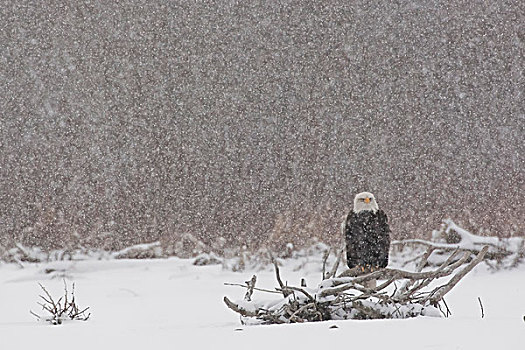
255 123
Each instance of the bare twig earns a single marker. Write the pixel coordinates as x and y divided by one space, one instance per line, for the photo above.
481 306
278 276
251 286
325 258
290 290
255 288
303 282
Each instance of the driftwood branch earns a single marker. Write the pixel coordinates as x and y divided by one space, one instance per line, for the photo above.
440 292
419 267
502 252
238 309
346 296
447 247
338 259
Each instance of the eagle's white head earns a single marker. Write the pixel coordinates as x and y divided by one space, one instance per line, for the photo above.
365 201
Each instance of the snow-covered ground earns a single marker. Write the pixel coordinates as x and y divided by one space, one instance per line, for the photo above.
171 304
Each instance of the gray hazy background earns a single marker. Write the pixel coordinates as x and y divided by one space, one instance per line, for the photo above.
257 121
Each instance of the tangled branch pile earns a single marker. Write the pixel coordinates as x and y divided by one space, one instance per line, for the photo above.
502 253
62 309
398 293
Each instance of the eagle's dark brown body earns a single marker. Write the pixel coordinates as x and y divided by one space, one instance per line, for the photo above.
367 237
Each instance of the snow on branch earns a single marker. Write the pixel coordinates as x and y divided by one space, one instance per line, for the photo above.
140 251
502 252
348 296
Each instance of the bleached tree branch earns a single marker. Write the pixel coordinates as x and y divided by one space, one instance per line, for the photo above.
346 296
251 285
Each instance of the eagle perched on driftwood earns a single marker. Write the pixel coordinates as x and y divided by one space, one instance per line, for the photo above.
367 234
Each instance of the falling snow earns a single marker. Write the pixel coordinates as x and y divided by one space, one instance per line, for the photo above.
132 121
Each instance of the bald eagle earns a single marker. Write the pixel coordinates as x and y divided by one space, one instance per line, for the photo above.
367 234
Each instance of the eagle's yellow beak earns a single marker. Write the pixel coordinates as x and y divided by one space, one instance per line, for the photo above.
367 200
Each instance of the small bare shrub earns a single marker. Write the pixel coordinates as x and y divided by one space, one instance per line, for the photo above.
61 310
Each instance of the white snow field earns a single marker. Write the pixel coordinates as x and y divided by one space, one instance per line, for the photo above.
171 304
